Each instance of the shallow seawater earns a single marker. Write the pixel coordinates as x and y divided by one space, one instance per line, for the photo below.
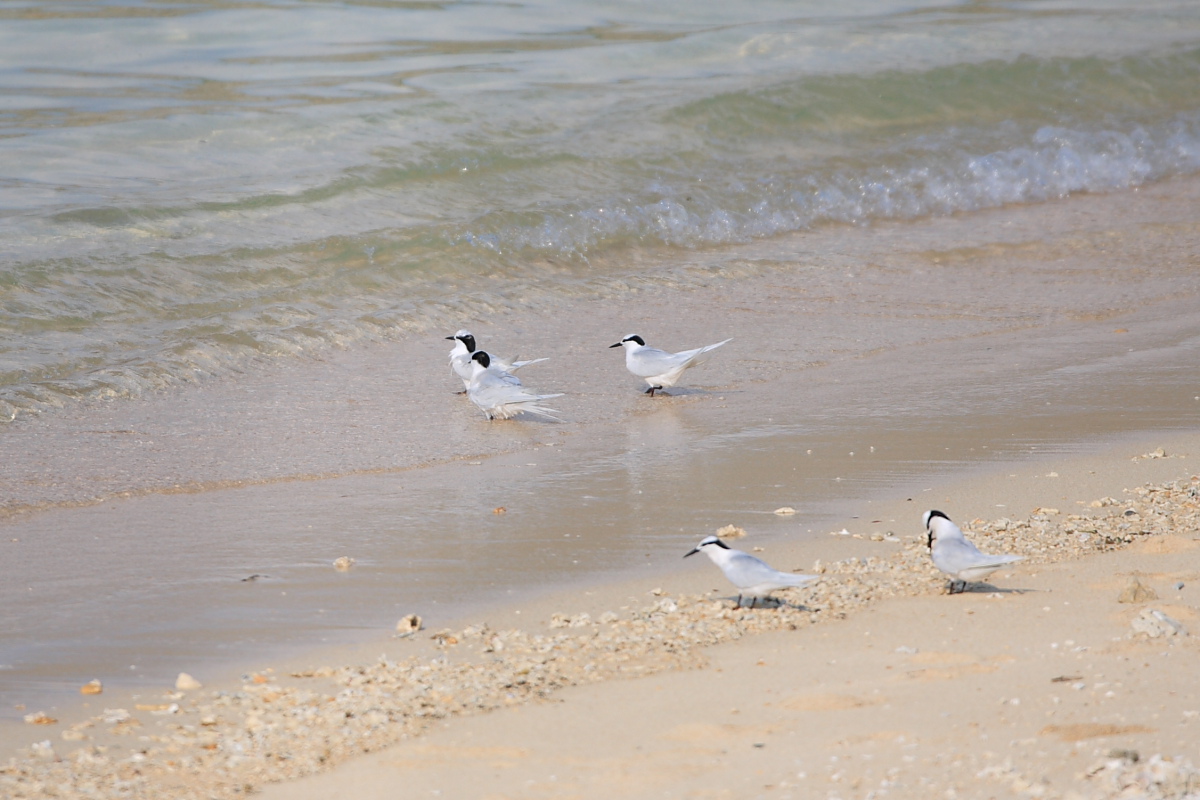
192 188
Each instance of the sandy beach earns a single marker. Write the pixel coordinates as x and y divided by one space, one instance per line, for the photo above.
1014 384
255 540
1040 683
1035 685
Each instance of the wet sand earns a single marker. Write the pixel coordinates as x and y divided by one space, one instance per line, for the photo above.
903 357
1034 684
872 680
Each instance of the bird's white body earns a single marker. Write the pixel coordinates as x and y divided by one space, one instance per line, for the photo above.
500 395
660 369
464 347
753 577
957 557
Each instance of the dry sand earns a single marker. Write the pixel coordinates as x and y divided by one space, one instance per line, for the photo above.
873 683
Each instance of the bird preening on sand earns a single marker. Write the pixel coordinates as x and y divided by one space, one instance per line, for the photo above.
660 369
753 577
957 557
500 395
460 358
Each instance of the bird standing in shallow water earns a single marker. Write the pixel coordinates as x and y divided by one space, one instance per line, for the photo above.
500 395
957 557
660 369
460 358
753 577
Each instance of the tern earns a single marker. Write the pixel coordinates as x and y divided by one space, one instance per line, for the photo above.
753 577
500 395
957 557
460 358
659 368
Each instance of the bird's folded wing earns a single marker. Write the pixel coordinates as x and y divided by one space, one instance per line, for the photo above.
965 556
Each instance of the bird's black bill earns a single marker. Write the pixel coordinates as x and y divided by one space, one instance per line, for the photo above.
610 347
691 552
451 337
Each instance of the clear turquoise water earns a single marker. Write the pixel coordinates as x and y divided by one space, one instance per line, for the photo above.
187 188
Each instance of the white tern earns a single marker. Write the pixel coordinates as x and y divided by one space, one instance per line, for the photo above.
753 577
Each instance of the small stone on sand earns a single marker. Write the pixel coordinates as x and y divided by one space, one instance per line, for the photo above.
344 563
1137 592
444 638
43 750
1155 623
408 625
785 511
731 532
186 683
92 687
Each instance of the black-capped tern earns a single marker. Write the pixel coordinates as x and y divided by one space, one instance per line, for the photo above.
500 395
460 358
957 557
753 577
660 369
